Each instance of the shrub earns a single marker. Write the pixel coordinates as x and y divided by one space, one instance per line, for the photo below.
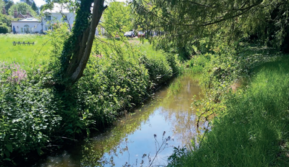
28 116
3 28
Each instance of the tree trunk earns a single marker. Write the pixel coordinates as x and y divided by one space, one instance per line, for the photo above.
77 48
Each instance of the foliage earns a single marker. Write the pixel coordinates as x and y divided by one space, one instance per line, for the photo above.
6 19
22 8
3 28
117 18
186 22
124 77
34 7
8 4
28 113
2 4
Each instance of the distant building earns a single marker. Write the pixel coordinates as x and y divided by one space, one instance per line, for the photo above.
26 26
59 13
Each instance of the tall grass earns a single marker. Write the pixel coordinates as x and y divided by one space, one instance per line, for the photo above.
254 130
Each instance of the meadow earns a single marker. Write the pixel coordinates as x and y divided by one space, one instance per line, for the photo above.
25 55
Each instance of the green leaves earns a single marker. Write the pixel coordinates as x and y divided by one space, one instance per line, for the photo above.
117 18
9 147
187 21
22 8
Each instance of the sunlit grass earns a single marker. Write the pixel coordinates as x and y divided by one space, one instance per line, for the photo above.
24 55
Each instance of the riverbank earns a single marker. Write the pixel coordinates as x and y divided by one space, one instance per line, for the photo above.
36 119
135 138
251 123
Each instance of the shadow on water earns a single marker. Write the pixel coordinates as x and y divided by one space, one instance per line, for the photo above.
145 137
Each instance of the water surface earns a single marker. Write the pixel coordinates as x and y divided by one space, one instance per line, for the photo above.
145 137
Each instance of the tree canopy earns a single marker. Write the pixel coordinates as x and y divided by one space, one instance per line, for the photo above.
117 18
34 7
22 8
8 4
184 21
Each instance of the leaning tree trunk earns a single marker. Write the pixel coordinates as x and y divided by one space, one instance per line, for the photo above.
77 48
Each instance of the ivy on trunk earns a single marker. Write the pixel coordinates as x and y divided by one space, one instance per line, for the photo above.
77 47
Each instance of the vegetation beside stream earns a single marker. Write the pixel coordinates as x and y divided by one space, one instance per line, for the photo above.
246 91
36 118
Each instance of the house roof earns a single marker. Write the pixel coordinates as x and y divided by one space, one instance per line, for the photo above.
29 19
58 8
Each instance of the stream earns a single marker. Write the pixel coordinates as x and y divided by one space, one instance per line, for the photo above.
145 137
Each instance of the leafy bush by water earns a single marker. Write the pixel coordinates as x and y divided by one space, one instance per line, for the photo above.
35 116
28 117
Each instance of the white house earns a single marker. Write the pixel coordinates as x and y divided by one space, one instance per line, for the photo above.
59 13
27 25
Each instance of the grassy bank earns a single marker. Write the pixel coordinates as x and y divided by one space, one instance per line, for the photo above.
35 119
251 124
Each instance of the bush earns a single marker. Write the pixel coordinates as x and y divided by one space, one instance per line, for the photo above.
3 28
28 116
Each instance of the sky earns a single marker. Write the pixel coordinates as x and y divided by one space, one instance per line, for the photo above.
38 2
42 2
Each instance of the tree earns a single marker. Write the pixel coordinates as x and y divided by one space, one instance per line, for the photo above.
77 47
22 8
8 4
189 20
34 7
117 18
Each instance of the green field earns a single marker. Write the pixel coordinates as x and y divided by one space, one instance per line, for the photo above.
30 55
25 55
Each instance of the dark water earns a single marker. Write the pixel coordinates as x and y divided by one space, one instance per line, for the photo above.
147 136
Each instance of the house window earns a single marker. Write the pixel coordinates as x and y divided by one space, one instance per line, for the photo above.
48 18
64 17
27 29
22 30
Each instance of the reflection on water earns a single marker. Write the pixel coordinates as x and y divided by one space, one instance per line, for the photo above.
166 122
